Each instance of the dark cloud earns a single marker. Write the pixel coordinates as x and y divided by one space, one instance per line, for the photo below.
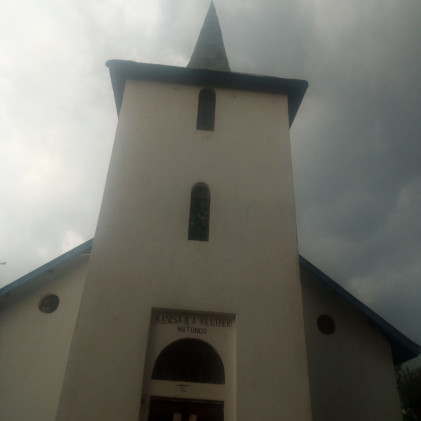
356 139
357 156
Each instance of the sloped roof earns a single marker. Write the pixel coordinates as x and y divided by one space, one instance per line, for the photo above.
403 348
53 264
209 52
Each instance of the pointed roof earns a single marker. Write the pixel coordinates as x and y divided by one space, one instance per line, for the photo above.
209 52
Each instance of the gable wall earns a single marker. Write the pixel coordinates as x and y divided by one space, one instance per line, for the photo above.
351 371
34 345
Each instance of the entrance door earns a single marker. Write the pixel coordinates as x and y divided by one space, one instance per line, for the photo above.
193 362
185 410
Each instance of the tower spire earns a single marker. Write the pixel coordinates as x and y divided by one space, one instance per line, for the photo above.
209 52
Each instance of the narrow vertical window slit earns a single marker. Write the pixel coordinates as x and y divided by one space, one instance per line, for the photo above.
206 110
199 213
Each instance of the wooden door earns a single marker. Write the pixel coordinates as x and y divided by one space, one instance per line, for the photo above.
185 410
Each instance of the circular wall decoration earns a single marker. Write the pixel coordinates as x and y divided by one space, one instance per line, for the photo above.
326 324
49 303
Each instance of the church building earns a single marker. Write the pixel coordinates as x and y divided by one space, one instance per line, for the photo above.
192 302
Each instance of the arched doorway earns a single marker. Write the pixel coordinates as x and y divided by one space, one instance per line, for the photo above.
184 363
189 360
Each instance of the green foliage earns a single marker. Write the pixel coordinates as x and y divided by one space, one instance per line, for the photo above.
409 386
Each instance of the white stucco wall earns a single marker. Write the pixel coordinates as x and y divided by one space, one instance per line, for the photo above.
351 371
142 259
34 345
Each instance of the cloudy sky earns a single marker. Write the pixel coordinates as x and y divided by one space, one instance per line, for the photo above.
356 139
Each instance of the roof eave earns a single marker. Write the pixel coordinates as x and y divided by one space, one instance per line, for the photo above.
122 70
51 265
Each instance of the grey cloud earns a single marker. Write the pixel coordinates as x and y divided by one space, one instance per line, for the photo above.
356 139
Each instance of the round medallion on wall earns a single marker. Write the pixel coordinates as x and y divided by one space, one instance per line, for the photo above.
326 324
49 303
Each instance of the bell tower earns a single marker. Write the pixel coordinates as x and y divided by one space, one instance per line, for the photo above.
192 304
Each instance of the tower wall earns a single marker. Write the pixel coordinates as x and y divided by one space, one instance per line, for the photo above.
142 259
